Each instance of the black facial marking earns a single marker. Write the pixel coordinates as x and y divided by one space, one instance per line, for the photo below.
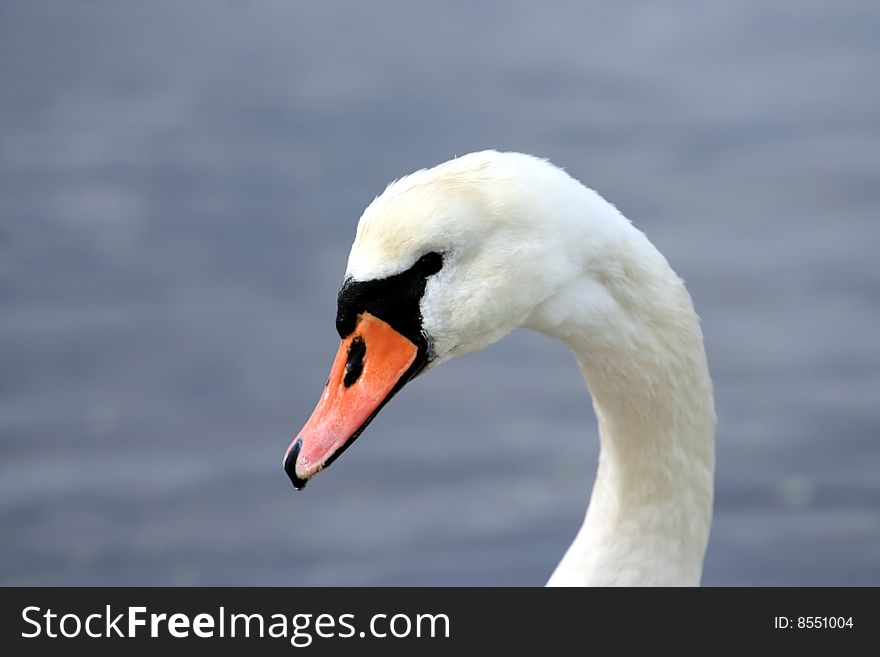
355 364
394 300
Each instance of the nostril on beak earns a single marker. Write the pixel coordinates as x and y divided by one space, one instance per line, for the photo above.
290 465
355 364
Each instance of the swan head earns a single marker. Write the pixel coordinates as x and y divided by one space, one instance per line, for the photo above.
445 261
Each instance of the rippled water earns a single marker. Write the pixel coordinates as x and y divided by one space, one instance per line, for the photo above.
179 187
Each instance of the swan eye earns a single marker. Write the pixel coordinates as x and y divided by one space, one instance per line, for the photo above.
430 263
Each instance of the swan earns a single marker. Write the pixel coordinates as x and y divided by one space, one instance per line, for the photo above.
450 259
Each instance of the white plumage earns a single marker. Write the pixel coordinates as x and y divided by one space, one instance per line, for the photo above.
526 245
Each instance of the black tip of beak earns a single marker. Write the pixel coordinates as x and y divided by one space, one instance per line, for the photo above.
290 466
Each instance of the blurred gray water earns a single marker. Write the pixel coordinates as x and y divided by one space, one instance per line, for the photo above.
179 187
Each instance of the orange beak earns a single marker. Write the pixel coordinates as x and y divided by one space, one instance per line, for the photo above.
369 368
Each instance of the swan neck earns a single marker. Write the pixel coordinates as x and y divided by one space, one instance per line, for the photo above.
640 349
